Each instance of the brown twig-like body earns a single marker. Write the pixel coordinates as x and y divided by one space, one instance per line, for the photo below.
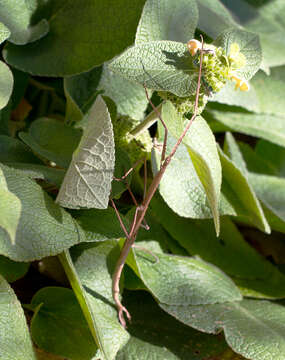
141 210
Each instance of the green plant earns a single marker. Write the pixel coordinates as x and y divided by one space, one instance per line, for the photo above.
74 115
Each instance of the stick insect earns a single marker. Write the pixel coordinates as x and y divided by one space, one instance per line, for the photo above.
141 209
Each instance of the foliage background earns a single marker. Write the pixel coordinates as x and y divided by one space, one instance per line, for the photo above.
67 71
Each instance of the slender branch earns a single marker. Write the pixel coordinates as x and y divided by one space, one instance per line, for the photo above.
119 218
141 210
163 123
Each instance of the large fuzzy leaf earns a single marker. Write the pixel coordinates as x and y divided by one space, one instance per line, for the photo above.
252 328
176 280
6 84
265 126
10 209
249 46
44 228
214 17
87 182
230 252
15 342
167 20
201 146
159 65
90 272
17 16
157 335
106 28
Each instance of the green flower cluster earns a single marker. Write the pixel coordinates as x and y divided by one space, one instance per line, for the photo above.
217 67
136 147
185 106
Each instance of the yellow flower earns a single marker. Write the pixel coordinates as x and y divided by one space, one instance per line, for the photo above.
241 84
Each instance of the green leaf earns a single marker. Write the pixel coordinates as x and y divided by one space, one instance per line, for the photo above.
274 154
249 45
156 335
12 270
4 33
106 29
271 191
57 312
214 17
52 139
44 228
81 91
201 146
17 16
232 150
100 225
176 280
240 194
91 279
159 65
265 126
273 48
129 97
169 20
36 171
87 182
230 96
252 328
10 209
269 90
256 163
6 84
13 150
15 342
254 275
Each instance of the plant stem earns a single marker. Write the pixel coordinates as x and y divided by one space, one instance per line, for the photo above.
141 210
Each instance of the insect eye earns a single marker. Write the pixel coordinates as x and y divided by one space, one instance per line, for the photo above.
193 46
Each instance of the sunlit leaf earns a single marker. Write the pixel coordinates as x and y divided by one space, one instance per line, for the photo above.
87 182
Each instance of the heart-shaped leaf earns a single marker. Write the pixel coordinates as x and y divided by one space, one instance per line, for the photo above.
159 65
